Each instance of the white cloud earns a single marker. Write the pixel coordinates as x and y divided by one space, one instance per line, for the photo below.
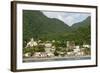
67 17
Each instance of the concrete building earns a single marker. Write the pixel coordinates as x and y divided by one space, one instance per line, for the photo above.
70 44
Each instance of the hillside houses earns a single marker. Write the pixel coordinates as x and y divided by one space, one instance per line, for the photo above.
54 48
31 43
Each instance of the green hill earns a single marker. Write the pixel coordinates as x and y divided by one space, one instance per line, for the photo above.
38 26
84 23
82 30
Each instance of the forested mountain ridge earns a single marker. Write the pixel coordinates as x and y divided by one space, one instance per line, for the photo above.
38 26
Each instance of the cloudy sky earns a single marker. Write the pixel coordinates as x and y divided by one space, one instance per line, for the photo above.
67 17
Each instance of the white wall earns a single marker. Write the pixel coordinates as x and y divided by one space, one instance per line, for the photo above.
5 37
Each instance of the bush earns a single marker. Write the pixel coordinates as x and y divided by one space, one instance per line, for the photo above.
28 50
55 53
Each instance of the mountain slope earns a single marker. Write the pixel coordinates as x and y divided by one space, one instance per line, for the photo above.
84 23
82 31
37 25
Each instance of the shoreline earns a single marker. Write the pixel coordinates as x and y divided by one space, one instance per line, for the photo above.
56 58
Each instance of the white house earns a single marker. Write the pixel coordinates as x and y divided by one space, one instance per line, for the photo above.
27 55
48 45
79 53
70 53
50 54
77 49
36 54
43 54
31 43
86 46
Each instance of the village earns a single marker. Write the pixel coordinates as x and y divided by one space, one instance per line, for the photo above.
51 49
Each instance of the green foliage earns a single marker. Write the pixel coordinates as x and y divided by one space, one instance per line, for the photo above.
55 53
38 26
60 44
69 50
28 50
34 49
39 49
